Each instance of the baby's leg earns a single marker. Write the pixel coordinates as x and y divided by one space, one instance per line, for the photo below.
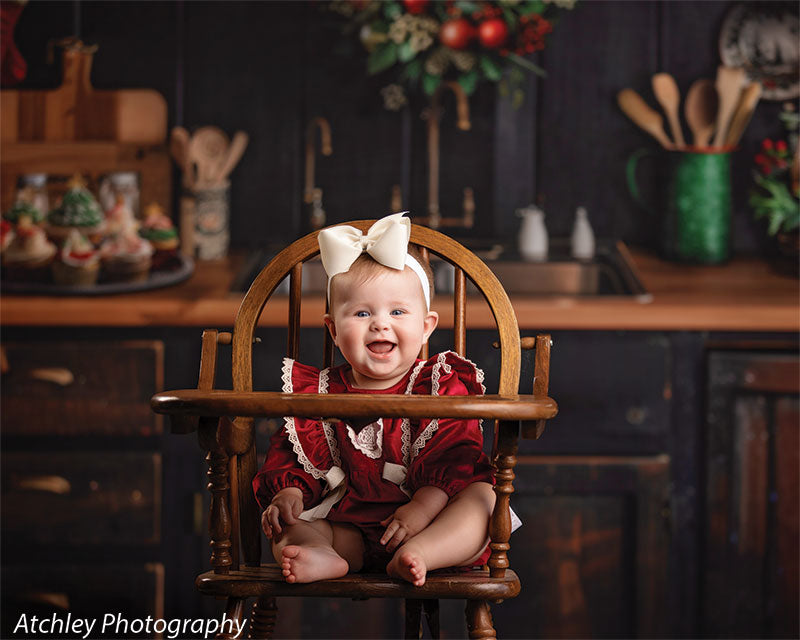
318 550
456 537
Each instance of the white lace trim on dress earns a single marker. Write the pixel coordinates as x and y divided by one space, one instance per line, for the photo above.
291 428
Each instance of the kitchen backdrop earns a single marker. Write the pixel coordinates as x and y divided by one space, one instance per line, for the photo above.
269 68
662 500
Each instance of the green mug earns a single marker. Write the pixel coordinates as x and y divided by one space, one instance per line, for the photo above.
695 196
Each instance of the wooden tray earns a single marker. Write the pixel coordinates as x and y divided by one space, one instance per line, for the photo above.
157 280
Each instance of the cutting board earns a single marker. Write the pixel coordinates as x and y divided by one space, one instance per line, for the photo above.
75 111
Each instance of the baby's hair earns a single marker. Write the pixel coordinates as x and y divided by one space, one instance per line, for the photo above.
365 268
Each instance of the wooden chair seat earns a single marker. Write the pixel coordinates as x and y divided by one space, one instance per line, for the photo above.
266 580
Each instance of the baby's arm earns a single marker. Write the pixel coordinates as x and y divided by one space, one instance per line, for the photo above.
411 518
285 506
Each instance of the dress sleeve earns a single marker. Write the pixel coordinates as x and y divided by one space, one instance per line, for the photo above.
448 453
282 469
298 452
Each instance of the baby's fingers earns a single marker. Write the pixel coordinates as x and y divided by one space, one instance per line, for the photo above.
273 516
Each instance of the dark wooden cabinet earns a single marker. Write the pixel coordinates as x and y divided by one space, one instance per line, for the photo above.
593 548
82 493
752 494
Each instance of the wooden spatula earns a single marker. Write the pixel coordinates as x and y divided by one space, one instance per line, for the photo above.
729 85
700 110
641 114
744 112
666 92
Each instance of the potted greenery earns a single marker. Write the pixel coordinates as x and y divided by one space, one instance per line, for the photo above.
776 196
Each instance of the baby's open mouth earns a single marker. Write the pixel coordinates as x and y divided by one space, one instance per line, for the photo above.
381 346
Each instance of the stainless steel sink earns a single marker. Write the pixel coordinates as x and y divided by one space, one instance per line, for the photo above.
610 273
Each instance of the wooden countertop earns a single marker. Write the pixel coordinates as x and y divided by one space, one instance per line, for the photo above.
743 295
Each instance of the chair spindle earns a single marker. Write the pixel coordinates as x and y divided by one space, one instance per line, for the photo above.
295 288
460 313
423 252
328 348
500 524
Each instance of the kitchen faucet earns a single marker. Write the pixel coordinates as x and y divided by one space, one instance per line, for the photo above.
434 218
313 195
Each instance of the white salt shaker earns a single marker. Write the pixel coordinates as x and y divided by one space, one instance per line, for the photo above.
533 243
582 236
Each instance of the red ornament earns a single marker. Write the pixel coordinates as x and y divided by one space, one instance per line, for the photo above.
416 6
456 34
492 33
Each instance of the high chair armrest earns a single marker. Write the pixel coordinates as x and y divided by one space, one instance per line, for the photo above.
276 404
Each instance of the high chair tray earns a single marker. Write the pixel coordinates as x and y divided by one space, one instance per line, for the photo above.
214 403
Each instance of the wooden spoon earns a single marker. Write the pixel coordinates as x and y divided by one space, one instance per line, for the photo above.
207 148
700 110
744 112
642 115
729 85
235 151
666 91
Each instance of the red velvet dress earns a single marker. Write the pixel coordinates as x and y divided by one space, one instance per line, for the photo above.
362 478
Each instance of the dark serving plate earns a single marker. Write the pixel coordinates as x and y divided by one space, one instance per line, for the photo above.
156 280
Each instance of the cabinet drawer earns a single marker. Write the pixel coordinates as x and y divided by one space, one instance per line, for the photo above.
105 497
85 591
85 388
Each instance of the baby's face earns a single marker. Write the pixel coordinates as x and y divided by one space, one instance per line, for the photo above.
379 325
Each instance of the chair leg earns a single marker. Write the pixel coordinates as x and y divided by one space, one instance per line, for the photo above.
413 630
431 610
479 620
263 618
234 610
414 610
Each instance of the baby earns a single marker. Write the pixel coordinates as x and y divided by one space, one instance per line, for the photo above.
407 496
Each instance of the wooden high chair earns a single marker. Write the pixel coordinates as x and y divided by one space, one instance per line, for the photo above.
235 529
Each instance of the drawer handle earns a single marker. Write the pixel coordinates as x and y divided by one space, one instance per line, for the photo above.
60 600
56 375
53 484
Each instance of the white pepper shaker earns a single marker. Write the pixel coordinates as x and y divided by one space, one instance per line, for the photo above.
582 236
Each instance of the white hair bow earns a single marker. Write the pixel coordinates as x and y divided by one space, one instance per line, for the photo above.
386 242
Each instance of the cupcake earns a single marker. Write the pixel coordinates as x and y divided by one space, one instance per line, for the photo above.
160 232
78 262
78 210
126 257
29 254
23 208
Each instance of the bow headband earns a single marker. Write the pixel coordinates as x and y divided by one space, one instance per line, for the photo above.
386 242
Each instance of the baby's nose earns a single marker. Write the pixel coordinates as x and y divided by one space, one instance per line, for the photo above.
380 321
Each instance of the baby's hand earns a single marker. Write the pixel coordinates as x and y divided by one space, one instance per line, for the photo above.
286 506
406 522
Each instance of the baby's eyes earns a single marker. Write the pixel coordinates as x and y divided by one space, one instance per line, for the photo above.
362 314
398 312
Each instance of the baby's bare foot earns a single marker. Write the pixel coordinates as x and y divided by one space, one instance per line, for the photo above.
308 564
409 564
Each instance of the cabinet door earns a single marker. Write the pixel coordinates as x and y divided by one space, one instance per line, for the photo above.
592 551
751 562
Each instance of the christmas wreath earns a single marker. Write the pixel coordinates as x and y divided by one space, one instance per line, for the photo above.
425 43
